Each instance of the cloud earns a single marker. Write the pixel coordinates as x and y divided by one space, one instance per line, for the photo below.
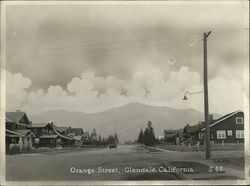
56 32
92 93
16 93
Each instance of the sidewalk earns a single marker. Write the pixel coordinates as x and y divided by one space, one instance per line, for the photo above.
164 150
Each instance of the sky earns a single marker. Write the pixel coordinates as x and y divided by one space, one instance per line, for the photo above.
91 57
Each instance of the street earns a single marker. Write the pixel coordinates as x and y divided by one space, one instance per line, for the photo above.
100 164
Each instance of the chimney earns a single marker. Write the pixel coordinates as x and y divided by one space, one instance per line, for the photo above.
51 123
18 110
211 118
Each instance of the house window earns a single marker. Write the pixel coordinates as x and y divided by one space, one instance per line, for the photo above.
229 132
37 140
221 134
239 133
239 120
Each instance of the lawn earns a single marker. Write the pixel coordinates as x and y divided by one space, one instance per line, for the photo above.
216 147
62 150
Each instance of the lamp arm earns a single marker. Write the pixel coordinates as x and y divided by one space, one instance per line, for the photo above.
193 92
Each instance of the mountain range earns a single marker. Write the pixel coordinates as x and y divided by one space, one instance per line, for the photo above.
125 121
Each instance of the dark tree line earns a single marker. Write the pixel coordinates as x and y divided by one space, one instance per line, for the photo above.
95 139
147 137
113 139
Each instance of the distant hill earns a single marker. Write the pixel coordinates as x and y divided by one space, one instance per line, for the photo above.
126 121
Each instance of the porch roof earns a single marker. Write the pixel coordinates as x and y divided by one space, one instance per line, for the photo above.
18 133
49 136
62 136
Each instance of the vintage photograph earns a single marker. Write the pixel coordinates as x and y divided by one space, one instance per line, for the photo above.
126 91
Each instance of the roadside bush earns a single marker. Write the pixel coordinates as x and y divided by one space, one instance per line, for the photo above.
14 149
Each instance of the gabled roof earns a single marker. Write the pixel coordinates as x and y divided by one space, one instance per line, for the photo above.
39 125
223 118
60 129
77 131
14 116
62 136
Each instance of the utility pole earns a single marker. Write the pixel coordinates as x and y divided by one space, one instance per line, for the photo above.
207 122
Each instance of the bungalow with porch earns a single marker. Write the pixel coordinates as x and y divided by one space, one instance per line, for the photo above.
17 135
45 135
64 134
50 135
77 135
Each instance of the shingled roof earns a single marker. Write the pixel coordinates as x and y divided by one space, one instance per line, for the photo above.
222 119
60 129
14 116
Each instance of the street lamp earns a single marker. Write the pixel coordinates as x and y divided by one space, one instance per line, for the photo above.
190 93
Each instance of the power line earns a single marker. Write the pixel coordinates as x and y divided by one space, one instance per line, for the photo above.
86 45
91 45
90 51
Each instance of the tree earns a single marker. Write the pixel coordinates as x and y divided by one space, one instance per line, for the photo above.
140 137
116 138
111 139
149 136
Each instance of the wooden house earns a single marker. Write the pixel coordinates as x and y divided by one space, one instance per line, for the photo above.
17 135
50 135
64 134
45 135
76 131
192 132
227 129
173 136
